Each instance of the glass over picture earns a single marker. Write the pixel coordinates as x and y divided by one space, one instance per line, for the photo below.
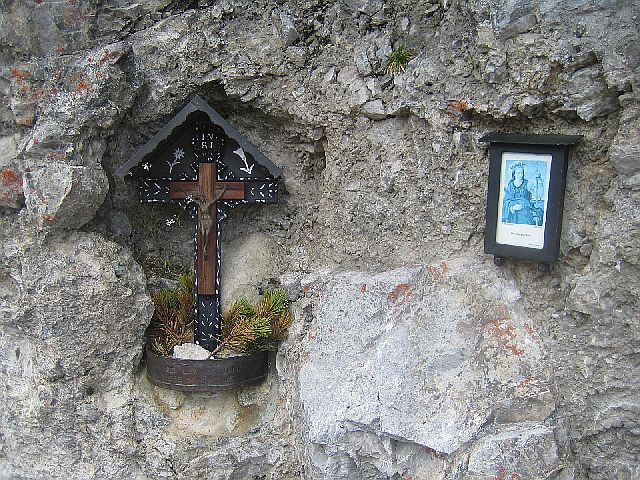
522 206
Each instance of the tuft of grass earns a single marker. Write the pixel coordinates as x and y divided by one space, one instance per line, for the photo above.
398 59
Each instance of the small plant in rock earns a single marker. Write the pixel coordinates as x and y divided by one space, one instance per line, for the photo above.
172 321
247 328
398 59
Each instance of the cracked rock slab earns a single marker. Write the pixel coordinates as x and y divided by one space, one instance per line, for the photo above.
425 356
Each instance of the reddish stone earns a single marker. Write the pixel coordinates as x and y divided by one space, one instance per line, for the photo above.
402 292
11 193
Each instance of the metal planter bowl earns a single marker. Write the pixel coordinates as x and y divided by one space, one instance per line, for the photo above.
213 375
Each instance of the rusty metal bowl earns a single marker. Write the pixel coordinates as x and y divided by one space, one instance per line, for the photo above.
213 375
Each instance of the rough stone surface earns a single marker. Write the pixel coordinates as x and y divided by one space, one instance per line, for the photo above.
11 189
433 357
526 452
65 360
65 196
384 183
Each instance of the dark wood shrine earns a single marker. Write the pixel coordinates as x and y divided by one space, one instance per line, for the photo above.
525 196
203 163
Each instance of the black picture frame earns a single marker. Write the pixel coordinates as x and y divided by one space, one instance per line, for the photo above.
525 196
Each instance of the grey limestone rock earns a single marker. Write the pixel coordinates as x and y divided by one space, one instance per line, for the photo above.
532 453
71 346
190 351
65 196
626 146
289 33
589 94
405 357
398 365
374 109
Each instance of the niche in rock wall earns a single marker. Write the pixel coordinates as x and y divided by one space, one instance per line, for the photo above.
200 162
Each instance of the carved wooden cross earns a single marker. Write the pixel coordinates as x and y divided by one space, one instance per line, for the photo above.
202 162
206 193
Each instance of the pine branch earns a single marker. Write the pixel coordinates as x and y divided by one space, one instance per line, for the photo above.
172 321
250 329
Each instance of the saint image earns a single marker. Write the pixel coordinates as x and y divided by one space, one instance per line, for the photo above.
519 204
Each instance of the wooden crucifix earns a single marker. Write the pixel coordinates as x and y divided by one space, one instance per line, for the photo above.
206 193
201 162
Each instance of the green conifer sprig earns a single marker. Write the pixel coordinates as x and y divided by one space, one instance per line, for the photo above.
172 321
246 328
398 60
280 325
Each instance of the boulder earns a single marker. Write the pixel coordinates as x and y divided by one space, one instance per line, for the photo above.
423 356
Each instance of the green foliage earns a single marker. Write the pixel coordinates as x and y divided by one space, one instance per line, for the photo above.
172 322
185 282
398 59
273 303
241 308
246 328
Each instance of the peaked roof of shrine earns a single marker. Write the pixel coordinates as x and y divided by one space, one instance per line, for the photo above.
531 139
197 104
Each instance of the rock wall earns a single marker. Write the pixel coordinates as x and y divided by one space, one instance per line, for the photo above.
412 355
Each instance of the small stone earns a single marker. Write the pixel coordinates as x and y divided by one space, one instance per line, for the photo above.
531 448
289 33
120 225
8 149
374 110
586 249
65 195
363 64
632 181
347 76
368 7
190 351
519 26
530 105
11 193
330 76
625 158
24 111
588 94
353 186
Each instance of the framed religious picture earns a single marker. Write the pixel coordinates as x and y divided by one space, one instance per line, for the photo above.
525 196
